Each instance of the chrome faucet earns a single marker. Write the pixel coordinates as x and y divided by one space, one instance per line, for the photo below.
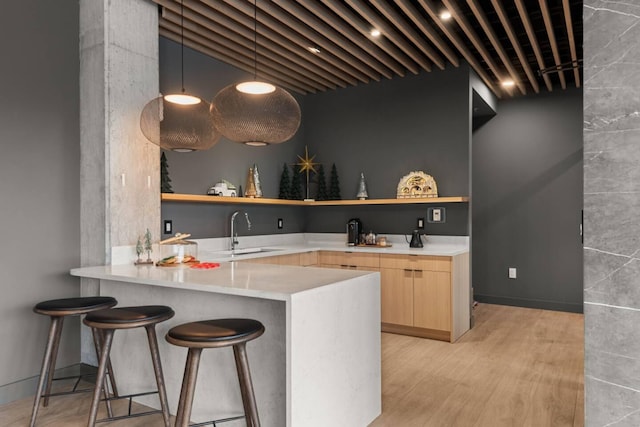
234 233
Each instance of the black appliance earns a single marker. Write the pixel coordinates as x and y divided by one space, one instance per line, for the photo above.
354 228
416 240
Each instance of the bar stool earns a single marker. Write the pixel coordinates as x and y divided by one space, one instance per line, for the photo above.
214 334
57 310
108 321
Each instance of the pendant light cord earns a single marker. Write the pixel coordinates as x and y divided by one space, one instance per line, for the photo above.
255 39
182 43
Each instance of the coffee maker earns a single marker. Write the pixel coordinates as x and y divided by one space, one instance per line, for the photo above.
354 228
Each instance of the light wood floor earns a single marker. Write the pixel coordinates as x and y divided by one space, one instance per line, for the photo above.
518 367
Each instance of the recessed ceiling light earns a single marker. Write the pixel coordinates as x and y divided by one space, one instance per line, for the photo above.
375 32
445 15
313 49
508 83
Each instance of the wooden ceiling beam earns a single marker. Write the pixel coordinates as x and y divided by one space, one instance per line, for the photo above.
457 14
572 41
270 29
387 31
325 37
353 30
552 40
493 39
504 19
232 28
434 13
240 46
428 30
524 17
364 28
400 22
235 61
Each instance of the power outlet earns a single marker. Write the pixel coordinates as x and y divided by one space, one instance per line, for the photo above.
280 223
513 273
436 215
420 224
168 226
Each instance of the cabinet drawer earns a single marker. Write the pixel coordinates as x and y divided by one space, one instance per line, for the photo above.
309 258
416 262
351 259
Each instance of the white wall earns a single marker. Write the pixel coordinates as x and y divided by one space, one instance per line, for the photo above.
39 185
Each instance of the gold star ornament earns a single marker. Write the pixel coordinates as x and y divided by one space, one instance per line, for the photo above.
306 164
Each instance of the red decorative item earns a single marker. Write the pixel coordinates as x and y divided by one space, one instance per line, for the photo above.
206 265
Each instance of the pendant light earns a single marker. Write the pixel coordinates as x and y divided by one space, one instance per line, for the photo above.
179 122
256 113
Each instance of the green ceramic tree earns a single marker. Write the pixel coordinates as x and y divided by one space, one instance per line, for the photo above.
165 181
321 192
334 184
285 183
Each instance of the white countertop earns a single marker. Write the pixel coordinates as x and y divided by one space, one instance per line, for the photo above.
433 247
273 282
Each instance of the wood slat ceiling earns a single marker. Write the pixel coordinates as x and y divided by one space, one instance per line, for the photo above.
535 43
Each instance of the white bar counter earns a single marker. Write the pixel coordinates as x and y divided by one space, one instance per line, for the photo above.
317 364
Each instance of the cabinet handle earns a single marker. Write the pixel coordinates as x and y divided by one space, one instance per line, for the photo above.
344 265
348 252
408 270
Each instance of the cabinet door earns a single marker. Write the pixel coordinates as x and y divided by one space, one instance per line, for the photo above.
432 300
309 258
291 259
396 296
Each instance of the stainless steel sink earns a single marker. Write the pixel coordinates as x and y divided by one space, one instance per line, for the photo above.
237 252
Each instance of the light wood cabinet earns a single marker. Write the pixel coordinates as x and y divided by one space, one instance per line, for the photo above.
309 259
396 287
349 260
425 296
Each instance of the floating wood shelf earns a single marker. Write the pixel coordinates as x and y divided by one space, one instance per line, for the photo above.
197 198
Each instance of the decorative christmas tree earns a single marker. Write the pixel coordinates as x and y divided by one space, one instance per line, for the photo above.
147 244
334 184
296 185
362 188
251 185
256 180
165 181
321 193
285 183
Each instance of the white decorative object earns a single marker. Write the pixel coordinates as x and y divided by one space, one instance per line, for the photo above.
256 180
417 185
223 188
362 188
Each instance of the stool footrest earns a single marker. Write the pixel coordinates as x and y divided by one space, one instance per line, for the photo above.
214 423
78 378
129 414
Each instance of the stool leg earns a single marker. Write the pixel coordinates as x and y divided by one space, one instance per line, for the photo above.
98 340
52 363
188 387
246 386
102 368
56 324
157 367
97 343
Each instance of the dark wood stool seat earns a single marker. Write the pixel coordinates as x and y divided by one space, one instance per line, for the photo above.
214 334
57 310
108 321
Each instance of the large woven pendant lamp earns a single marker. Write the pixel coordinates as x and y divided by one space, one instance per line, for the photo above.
179 122
256 113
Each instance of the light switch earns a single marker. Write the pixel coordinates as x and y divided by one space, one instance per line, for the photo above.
513 273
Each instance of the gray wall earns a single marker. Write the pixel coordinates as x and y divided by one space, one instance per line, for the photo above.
611 221
39 183
384 129
527 201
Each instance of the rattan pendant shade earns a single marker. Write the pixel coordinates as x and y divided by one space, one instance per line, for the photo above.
177 127
256 119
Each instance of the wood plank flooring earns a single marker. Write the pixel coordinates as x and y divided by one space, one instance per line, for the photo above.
517 367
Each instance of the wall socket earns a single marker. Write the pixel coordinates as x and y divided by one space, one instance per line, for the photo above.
513 273
420 224
168 226
436 215
280 223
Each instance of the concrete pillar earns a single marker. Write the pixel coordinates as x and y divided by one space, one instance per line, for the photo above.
119 171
